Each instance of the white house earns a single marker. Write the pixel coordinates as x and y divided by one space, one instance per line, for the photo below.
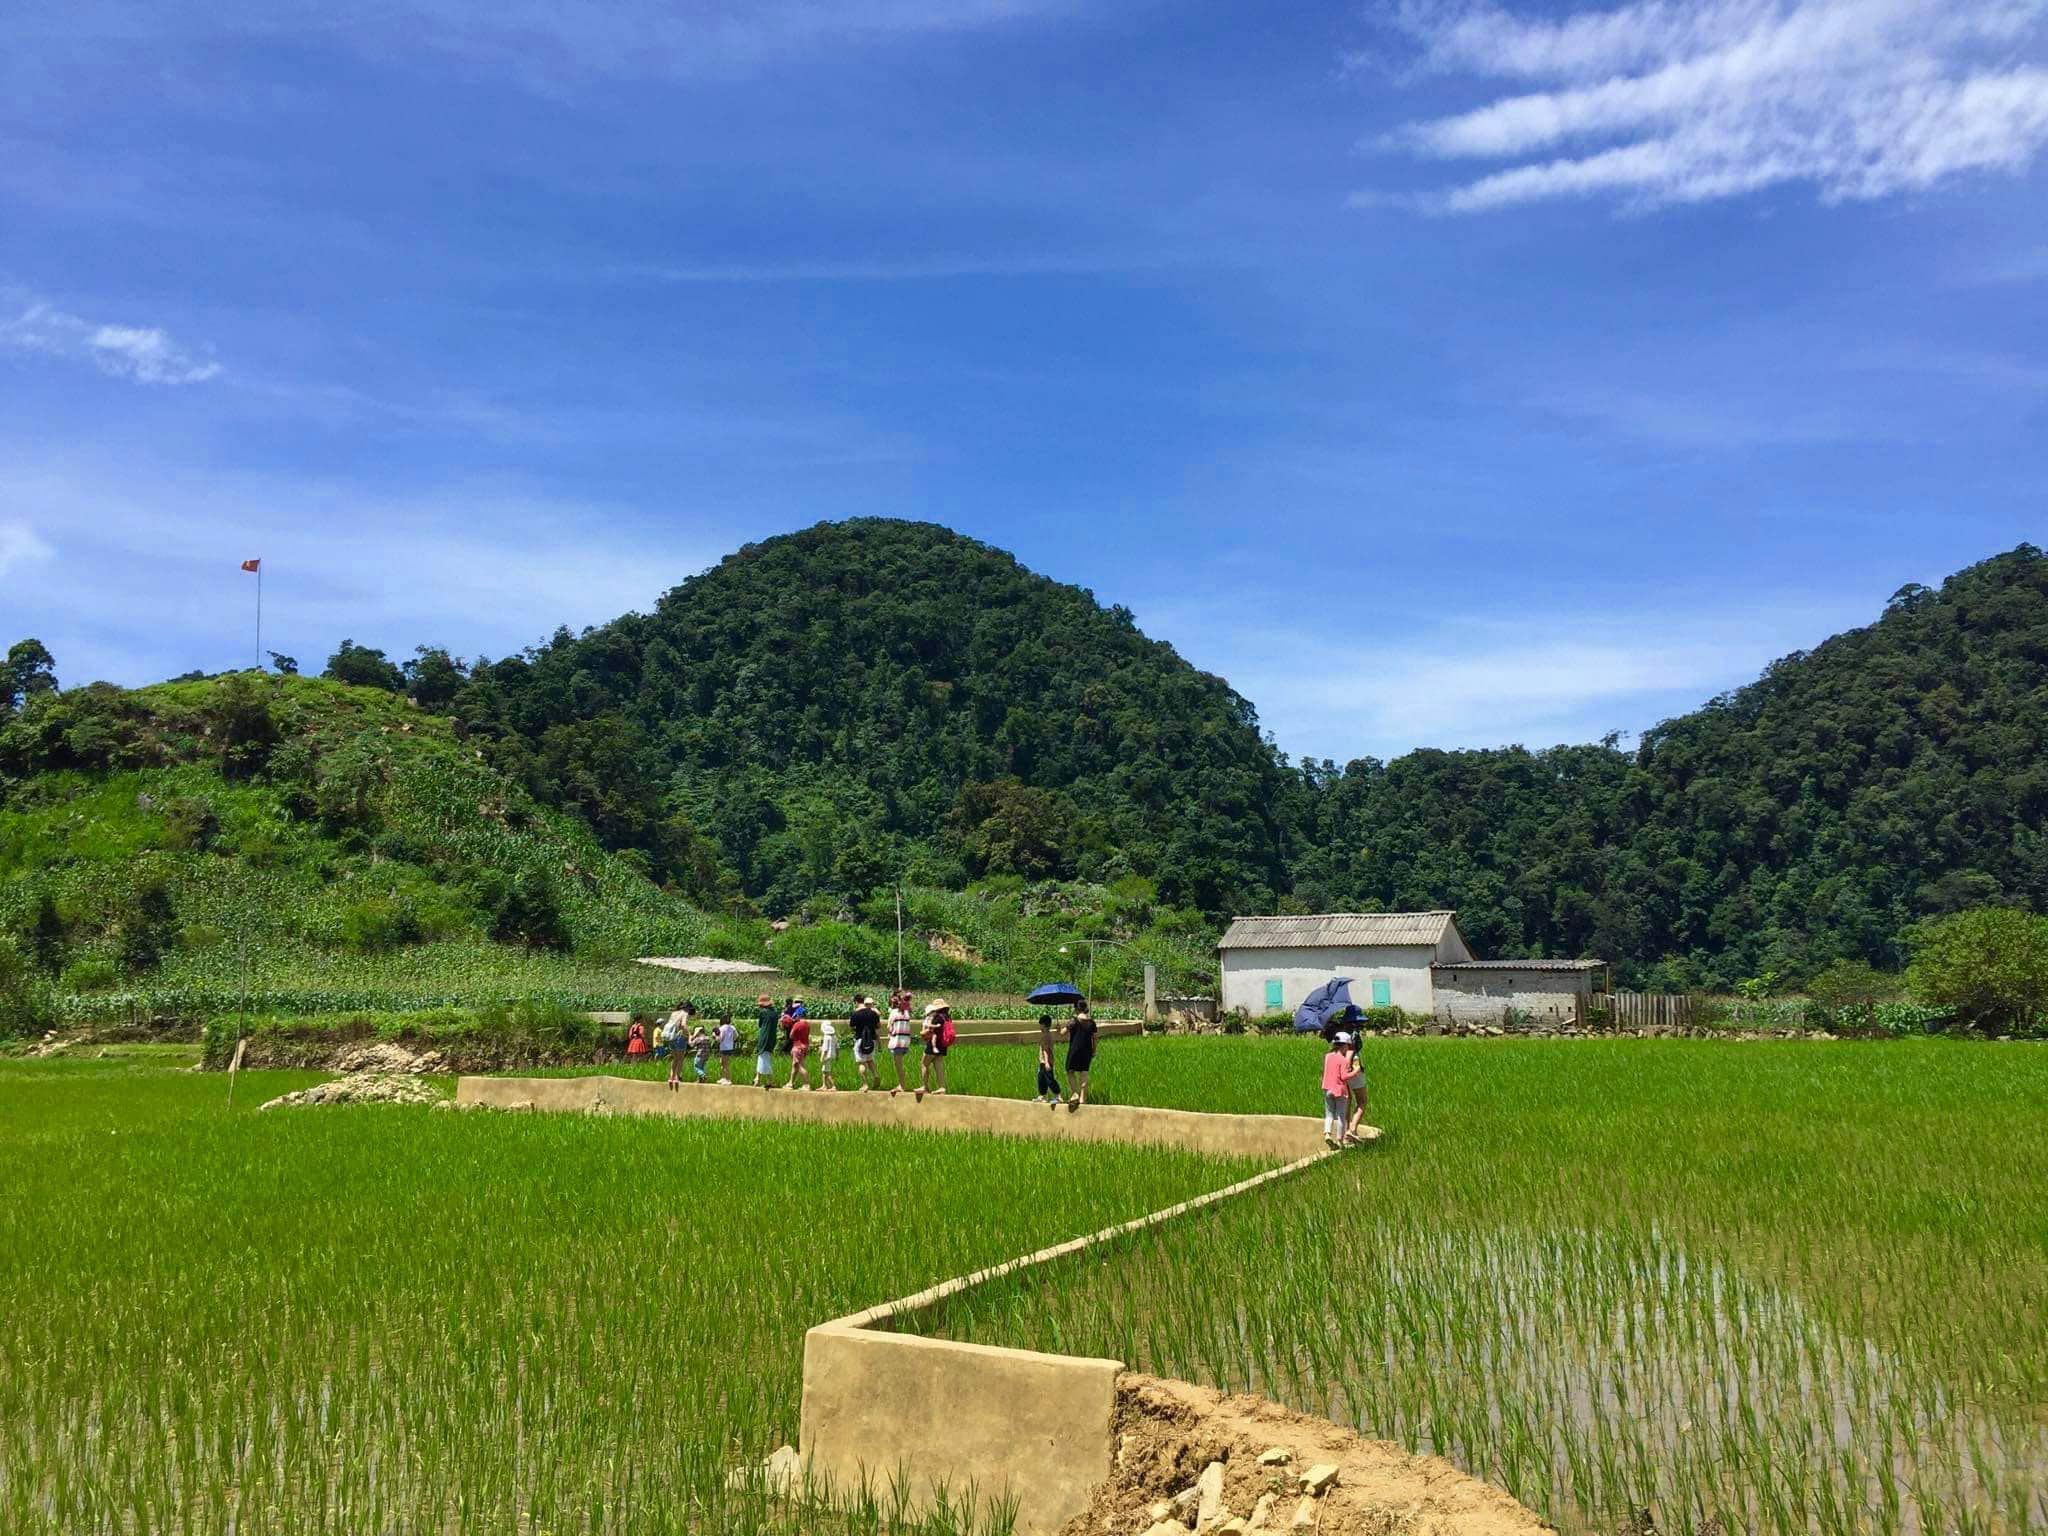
1269 964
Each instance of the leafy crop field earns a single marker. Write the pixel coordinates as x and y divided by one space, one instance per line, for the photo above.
393 1320
1776 1288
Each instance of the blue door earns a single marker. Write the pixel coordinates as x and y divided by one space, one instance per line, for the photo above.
1382 992
1275 999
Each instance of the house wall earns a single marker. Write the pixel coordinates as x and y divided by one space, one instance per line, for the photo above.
1490 996
1244 973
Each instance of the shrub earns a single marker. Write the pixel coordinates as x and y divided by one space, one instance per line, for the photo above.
90 973
26 1004
843 954
147 928
190 825
371 926
1988 968
530 913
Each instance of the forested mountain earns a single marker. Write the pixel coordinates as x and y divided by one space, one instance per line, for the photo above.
824 712
1894 772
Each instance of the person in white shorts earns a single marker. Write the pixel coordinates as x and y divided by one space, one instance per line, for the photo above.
900 1036
828 1053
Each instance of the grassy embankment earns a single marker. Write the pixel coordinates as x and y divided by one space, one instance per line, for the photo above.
346 848
375 1319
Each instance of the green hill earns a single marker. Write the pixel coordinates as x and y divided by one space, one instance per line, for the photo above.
829 711
1894 772
345 844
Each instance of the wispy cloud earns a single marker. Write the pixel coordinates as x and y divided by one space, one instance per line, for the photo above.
139 561
20 546
1467 677
1662 102
142 354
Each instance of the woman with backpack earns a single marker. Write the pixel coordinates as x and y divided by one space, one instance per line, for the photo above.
938 1039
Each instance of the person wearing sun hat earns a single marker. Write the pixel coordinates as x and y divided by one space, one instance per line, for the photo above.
937 1033
1339 1066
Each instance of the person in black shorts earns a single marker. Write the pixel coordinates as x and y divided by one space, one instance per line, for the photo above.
1080 1055
865 1024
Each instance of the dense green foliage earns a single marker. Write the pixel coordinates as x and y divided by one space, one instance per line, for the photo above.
825 715
824 712
828 711
171 836
374 1319
1895 772
1989 968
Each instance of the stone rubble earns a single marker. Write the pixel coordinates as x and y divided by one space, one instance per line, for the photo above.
362 1088
387 1057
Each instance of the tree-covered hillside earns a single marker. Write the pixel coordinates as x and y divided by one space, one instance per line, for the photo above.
158 838
1892 773
826 712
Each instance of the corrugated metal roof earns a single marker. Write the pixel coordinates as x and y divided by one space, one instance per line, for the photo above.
1324 929
1517 965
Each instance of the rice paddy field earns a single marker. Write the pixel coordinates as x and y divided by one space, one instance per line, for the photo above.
1777 1288
1783 1288
370 1320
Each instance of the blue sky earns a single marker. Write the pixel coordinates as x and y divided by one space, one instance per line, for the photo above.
1440 373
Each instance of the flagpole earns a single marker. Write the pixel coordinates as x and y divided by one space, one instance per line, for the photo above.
259 617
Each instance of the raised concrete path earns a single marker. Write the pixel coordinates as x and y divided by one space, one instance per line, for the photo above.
1272 1138
1011 1424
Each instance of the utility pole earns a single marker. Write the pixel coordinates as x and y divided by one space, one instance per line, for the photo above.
899 935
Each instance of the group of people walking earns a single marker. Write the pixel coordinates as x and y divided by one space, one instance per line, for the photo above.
680 1035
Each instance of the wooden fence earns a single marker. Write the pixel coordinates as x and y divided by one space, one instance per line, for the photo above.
1646 1010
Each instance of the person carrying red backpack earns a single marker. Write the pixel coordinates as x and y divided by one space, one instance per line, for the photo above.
939 1036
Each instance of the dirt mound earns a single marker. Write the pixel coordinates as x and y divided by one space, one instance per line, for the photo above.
384 1056
362 1088
1169 1433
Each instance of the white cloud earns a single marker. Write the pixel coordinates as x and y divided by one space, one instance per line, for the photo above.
1662 103
141 354
1470 677
20 546
145 579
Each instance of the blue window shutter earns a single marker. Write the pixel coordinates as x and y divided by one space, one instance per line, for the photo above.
1275 998
1382 992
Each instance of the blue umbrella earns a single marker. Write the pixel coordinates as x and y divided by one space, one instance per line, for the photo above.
1315 1010
1057 994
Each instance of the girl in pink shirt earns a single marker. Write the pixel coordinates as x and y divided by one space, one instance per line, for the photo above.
1339 1068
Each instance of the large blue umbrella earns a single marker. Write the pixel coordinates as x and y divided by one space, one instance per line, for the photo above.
1056 994
1330 998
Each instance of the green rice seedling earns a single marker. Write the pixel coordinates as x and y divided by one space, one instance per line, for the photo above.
1789 1289
371 1319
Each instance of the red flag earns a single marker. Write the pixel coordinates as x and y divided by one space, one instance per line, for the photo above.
252 565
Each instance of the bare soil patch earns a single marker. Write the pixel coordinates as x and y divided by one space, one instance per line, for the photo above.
1170 1432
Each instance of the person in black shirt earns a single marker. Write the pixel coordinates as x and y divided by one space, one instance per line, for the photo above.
1080 1055
866 1025
764 1043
